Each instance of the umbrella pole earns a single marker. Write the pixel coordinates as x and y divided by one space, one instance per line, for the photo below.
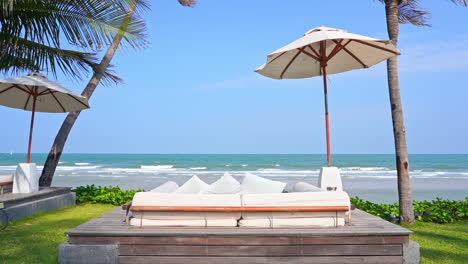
327 121
28 159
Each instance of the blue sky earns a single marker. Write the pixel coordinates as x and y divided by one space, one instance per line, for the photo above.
193 90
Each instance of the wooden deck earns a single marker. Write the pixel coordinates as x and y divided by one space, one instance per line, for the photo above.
368 240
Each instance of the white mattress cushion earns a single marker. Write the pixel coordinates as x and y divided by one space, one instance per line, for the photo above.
255 184
293 222
225 185
6 178
193 200
231 222
194 185
187 215
334 198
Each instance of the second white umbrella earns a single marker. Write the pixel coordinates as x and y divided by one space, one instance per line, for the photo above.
323 51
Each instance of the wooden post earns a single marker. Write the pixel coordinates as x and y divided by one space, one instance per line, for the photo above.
28 159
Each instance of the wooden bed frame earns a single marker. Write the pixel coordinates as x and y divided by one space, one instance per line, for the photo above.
3 185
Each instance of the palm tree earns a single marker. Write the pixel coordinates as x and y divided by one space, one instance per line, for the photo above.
32 32
404 12
61 138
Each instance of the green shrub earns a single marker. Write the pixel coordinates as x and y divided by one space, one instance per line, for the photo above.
99 194
381 210
437 211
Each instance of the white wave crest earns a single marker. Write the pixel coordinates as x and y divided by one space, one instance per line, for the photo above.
8 168
81 163
364 169
70 168
266 170
156 167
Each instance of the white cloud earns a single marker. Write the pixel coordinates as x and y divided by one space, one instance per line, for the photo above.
442 55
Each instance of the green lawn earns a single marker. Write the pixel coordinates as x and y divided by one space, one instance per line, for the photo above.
35 239
442 243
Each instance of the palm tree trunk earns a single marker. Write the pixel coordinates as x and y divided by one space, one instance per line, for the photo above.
56 151
402 162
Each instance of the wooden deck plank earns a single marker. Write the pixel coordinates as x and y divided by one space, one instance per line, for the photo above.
260 251
263 260
246 240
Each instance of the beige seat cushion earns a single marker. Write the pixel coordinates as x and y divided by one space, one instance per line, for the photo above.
186 215
293 222
285 215
229 222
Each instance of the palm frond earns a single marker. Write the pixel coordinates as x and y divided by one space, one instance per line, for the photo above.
84 23
21 55
31 32
460 2
410 12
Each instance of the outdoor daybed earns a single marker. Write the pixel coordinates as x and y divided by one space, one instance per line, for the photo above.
302 209
299 205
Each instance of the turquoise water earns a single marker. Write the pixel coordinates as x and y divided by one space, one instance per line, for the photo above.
369 176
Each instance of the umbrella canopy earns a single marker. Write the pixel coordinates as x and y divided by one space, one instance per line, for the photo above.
51 97
323 51
36 93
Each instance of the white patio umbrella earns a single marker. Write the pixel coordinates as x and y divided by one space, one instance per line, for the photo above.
35 93
323 51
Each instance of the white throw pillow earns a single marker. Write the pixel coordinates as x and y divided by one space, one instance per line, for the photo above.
167 187
306 187
255 184
194 185
225 185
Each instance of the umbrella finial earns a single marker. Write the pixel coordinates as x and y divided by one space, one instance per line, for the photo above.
37 74
323 28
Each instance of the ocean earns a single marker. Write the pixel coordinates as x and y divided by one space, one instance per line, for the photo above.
371 176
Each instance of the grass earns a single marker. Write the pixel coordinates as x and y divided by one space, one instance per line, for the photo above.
441 243
35 239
